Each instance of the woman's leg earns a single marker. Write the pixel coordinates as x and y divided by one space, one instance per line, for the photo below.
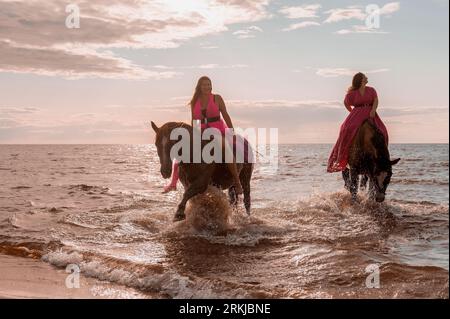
173 183
232 166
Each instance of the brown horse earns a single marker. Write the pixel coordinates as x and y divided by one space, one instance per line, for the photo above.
196 177
369 156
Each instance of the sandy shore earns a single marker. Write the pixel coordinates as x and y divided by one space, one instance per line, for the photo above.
30 278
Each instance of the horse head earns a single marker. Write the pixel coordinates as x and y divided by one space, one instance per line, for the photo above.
163 145
380 176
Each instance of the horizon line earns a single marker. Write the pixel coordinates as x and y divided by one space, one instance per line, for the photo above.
25 144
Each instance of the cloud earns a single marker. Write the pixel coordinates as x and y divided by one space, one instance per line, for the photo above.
208 46
208 66
390 8
181 102
409 111
8 123
215 66
5 111
273 104
337 72
305 11
336 15
301 25
297 120
34 38
249 32
238 11
72 64
360 29
358 12
48 126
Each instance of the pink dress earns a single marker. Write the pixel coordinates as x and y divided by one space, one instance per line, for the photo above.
362 106
241 147
212 110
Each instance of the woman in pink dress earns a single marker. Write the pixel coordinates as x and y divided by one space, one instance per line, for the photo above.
362 103
207 108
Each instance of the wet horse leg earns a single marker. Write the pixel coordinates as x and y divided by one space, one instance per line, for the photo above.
197 187
232 196
246 176
372 191
232 167
354 177
363 182
346 177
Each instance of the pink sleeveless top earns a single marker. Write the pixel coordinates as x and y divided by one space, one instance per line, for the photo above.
212 110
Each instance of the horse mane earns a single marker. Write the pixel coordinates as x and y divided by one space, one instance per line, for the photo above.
168 127
173 125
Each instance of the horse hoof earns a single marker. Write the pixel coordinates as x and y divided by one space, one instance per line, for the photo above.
238 190
179 217
232 196
234 203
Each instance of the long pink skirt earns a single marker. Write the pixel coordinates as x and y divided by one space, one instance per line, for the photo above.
339 156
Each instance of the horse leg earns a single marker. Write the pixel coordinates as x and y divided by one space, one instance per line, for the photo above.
354 184
363 182
346 177
232 167
245 180
200 185
232 196
372 192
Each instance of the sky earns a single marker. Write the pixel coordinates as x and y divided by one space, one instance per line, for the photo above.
277 64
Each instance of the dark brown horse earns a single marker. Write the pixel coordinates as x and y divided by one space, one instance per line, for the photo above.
196 177
369 157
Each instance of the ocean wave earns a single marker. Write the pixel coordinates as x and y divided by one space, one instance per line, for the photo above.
33 221
88 188
27 248
167 282
396 272
410 181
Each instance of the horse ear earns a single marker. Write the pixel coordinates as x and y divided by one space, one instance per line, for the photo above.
394 162
155 128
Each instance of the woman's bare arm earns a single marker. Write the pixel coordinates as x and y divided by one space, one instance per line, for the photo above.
373 112
347 106
223 110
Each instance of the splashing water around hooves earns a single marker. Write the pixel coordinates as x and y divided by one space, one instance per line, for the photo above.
209 211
